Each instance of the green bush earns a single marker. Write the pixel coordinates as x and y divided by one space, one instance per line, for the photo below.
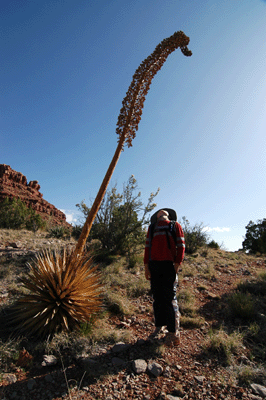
14 214
195 236
76 231
121 220
213 245
59 232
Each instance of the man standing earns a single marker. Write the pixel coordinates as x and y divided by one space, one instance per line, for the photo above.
164 253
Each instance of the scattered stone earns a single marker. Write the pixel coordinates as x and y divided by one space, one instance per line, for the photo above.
178 392
120 347
11 378
170 397
124 324
155 369
167 372
31 383
49 361
212 295
15 245
245 360
200 379
87 362
139 366
49 378
258 389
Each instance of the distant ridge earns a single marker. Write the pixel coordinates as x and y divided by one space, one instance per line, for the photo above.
14 184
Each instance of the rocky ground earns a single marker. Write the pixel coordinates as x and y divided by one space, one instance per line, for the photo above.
142 368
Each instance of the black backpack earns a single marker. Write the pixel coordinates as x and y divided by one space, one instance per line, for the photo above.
170 228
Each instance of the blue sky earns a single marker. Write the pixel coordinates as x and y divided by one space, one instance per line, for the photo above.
66 66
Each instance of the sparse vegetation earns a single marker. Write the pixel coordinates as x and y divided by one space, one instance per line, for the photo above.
239 343
241 305
224 344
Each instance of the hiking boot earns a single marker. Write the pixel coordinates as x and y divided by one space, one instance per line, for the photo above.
172 339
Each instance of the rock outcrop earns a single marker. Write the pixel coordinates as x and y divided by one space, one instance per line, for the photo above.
14 184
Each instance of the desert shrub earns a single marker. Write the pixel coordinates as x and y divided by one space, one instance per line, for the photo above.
121 219
253 309
213 245
14 214
209 271
9 351
138 287
223 344
188 269
59 232
241 305
117 304
248 374
76 231
195 236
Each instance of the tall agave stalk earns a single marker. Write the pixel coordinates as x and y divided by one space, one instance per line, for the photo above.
65 289
130 115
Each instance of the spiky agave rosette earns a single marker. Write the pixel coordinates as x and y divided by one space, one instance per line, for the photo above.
64 291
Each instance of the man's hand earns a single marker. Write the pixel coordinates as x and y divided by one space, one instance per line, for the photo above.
176 265
147 272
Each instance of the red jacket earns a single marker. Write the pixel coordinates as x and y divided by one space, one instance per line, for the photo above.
159 245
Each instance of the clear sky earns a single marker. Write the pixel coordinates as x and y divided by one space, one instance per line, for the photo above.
66 66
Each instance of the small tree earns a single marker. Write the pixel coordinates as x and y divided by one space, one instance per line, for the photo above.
195 236
255 238
120 221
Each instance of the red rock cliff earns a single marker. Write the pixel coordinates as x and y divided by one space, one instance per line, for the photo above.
14 184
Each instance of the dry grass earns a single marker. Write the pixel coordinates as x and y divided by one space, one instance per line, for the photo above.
226 345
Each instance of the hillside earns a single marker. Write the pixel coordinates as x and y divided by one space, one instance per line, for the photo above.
223 334
14 185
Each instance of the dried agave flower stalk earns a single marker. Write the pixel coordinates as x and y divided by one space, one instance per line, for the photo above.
63 293
130 115
65 289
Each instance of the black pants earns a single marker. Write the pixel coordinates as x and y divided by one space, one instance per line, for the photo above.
163 287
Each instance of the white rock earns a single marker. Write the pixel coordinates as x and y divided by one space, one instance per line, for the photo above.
139 366
259 389
49 360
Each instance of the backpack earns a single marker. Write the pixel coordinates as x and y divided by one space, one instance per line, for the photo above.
170 228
